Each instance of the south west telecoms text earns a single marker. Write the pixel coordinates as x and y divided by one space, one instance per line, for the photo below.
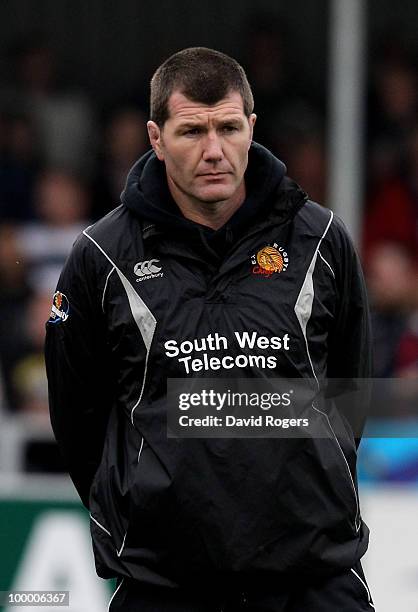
246 341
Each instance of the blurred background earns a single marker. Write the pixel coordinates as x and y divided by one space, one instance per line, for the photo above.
335 87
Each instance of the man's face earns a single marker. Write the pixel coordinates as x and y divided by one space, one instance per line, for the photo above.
204 148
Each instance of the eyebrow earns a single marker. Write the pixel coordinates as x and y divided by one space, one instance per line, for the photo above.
195 124
189 124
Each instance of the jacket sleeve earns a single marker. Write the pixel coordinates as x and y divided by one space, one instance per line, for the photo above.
350 345
78 369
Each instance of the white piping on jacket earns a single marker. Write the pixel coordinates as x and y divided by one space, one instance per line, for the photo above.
100 525
142 315
357 522
105 287
146 323
119 552
140 450
304 302
325 262
111 599
303 310
369 597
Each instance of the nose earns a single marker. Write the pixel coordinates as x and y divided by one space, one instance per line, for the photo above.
212 149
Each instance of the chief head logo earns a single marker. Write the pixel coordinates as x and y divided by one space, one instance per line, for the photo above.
147 269
269 260
60 308
58 299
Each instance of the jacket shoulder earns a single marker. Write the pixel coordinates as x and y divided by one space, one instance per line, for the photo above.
115 222
314 219
319 221
115 234
102 244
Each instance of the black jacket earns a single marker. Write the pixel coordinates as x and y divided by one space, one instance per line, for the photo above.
171 511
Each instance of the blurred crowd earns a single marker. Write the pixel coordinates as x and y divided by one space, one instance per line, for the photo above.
64 159
62 166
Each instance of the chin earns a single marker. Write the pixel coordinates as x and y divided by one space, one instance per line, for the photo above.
215 195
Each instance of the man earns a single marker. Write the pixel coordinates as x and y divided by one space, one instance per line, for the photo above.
211 241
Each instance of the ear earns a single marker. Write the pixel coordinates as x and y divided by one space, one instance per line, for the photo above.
154 134
251 121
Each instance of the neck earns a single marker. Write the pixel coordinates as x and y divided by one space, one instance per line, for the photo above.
211 214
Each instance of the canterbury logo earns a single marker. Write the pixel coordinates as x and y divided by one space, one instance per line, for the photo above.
147 269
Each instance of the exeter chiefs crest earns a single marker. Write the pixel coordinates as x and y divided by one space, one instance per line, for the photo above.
60 308
269 260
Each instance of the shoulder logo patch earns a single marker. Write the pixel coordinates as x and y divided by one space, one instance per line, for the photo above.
60 308
269 260
147 269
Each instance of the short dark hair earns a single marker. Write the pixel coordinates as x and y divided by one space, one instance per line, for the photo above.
202 75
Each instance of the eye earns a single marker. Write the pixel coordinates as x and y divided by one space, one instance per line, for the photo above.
192 132
229 129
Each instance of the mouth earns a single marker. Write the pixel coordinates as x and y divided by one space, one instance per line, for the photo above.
214 174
